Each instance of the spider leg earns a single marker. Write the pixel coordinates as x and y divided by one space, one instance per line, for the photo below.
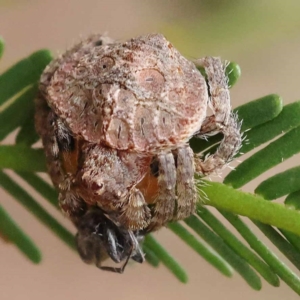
138 256
119 270
135 214
134 246
208 127
112 248
59 143
186 190
113 253
99 238
222 120
68 151
166 198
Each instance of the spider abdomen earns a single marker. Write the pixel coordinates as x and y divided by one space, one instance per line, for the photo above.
142 95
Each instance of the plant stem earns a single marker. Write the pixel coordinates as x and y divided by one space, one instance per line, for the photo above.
252 206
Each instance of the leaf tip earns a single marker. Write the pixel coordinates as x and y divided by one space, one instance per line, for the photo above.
233 72
292 201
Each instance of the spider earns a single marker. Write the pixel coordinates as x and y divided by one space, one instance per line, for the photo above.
115 120
99 234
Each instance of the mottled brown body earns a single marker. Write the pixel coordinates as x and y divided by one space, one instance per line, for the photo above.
115 120
129 96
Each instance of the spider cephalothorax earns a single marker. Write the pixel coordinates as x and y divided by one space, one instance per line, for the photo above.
116 119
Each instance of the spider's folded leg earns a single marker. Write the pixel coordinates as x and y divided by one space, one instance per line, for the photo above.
166 198
222 120
186 189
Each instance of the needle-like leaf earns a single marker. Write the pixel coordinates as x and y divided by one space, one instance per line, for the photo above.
151 243
22 74
288 119
41 186
293 200
17 113
280 184
150 256
28 202
27 134
16 235
273 154
268 256
22 158
209 255
1 46
219 246
281 243
237 246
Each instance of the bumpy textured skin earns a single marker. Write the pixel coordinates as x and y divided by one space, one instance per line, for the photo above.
141 95
115 120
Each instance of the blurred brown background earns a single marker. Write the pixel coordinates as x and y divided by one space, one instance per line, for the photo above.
262 36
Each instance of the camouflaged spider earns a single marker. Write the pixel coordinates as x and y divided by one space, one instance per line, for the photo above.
116 119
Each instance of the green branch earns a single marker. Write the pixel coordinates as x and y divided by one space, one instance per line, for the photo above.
252 206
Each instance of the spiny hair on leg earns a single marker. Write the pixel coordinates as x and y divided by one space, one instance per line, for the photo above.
199 184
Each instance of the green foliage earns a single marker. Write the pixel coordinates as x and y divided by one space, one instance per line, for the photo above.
285 183
263 160
23 74
208 254
10 230
22 158
36 209
224 250
292 200
166 258
1 46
